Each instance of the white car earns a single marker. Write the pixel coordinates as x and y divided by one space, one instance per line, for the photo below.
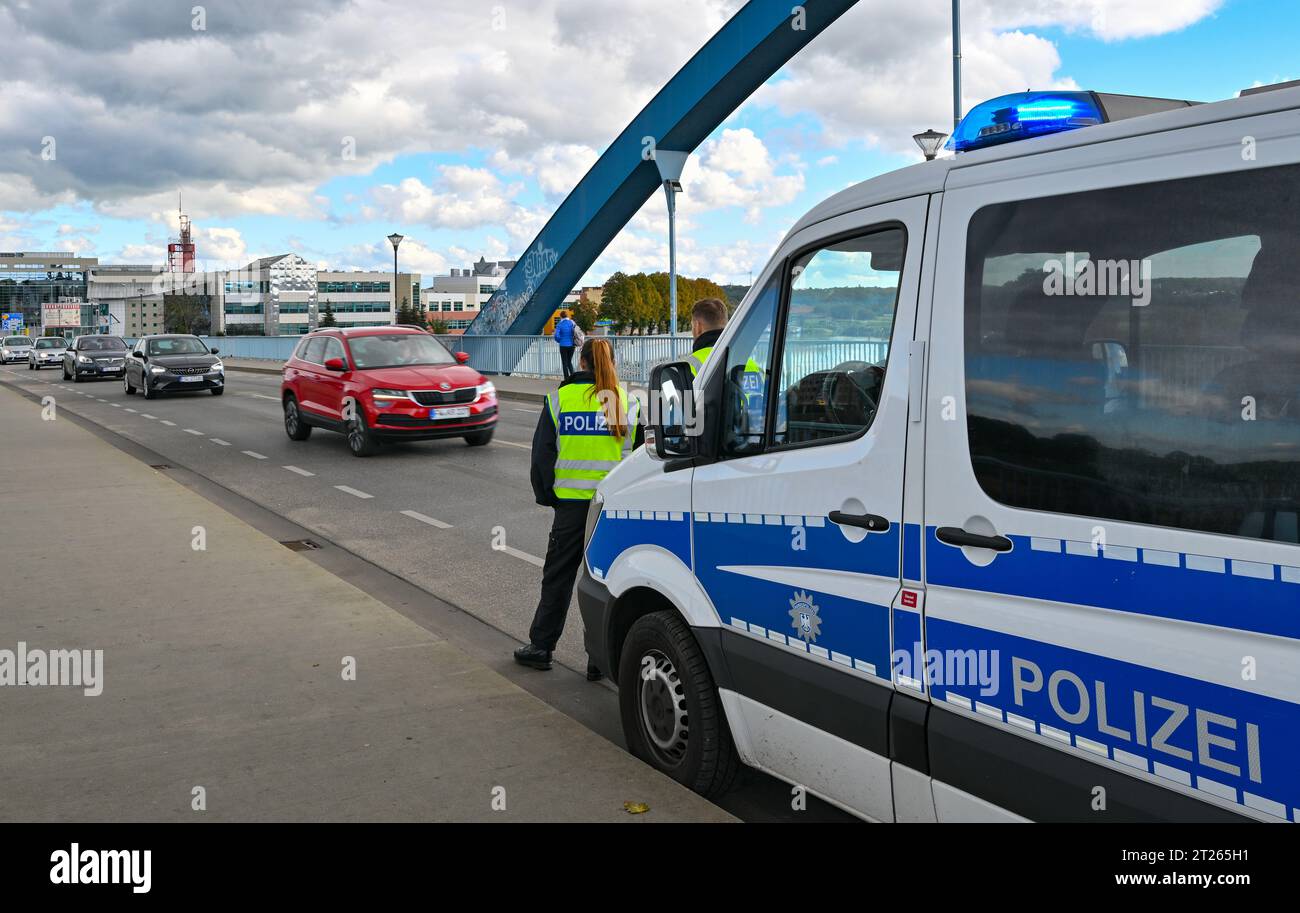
14 348
46 353
993 507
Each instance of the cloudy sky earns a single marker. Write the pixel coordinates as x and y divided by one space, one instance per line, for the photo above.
320 126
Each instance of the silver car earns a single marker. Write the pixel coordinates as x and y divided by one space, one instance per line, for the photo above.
46 353
14 348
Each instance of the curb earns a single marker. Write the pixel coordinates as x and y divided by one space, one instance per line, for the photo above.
275 371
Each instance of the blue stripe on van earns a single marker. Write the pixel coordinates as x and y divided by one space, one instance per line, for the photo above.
1262 598
912 552
617 531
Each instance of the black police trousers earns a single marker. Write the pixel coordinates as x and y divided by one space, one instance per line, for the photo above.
563 558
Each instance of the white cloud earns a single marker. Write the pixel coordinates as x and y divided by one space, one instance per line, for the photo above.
462 197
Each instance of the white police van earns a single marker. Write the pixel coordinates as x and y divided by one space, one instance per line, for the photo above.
1009 526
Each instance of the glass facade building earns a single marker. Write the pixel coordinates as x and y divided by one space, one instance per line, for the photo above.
29 280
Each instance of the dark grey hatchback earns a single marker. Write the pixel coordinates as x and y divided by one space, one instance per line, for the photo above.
173 364
94 356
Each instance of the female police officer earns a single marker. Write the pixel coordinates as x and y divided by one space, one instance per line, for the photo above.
587 427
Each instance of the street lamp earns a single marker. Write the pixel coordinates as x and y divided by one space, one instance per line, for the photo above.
930 141
394 239
670 166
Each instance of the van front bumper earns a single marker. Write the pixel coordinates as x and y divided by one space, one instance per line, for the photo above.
595 602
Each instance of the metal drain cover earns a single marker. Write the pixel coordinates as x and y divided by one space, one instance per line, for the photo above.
301 545
160 466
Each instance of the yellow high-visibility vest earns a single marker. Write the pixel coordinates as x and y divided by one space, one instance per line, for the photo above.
697 359
587 449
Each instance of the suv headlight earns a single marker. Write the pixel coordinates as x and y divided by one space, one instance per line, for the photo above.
157 370
219 366
381 394
487 389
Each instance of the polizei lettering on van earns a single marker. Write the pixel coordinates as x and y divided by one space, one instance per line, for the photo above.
1221 742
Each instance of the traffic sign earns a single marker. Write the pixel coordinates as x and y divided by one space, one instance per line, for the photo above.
11 323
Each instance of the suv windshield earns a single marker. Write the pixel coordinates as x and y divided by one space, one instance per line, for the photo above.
392 350
50 342
17 341
183 345
100 344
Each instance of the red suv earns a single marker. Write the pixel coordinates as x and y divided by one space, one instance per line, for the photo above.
384 383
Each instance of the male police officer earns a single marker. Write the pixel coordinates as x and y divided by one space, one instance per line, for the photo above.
708 320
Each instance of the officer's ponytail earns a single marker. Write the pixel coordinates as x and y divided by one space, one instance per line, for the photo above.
599 356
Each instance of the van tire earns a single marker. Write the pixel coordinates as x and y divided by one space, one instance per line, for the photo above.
704 759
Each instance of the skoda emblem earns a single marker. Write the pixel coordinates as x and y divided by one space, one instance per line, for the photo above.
803 617
444 386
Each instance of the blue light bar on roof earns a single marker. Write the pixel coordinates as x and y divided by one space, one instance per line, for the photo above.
1025 114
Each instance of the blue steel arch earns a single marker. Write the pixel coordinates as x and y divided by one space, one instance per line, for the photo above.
744 53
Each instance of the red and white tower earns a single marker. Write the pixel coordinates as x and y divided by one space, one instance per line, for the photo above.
180 253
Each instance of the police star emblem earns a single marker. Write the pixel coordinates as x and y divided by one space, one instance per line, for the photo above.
803 617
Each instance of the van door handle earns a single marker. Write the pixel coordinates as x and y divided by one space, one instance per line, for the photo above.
955 535
872 523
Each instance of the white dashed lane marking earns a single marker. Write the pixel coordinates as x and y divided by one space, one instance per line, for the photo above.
217 440
352 491
301 472
416 515
522 556
193 432
252 453
167 423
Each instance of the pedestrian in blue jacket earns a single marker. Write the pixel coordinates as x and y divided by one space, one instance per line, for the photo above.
565 329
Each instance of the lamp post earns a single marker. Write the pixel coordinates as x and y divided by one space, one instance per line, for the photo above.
394 239
930 141
670 165
956 64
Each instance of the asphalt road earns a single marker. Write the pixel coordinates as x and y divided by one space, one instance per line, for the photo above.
456 521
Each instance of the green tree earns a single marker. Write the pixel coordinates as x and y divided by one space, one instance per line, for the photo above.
585 314
404 313
438 327
327 316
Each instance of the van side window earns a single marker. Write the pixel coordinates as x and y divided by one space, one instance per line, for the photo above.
749 355
836 343
1134 353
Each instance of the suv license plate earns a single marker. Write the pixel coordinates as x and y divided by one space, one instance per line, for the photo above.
453 412
192 380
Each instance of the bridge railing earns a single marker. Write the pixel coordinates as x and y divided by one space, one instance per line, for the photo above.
539 356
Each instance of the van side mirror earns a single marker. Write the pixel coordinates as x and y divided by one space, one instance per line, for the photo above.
462 357
675 415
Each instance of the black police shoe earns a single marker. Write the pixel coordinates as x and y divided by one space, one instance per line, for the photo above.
534 657
593 674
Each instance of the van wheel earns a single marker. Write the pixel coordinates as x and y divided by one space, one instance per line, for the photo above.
672 716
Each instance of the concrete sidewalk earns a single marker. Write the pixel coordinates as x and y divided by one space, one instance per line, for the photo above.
222 670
